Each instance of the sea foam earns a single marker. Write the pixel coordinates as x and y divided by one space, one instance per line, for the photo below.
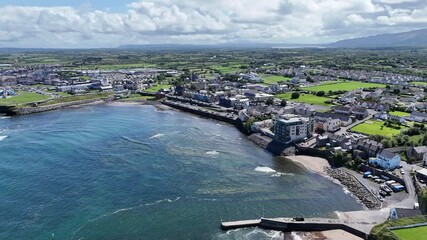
212 153
265 169
3 138
156 136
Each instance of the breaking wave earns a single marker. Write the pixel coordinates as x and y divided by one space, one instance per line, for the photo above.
156 136
3 138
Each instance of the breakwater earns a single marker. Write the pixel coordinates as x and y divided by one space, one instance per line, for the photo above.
356 187
223 117
298 224
38 109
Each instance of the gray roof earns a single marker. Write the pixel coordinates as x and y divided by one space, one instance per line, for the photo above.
387 154
421 149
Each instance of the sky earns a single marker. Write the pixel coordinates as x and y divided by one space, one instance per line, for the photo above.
102 23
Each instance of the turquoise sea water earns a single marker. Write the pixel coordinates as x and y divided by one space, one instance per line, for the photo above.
132 172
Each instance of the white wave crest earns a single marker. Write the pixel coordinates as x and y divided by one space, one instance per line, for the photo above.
279 174
212 153
6 117
162 201
265 169
156 136
3 138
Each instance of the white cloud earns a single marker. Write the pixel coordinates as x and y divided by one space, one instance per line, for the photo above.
193 21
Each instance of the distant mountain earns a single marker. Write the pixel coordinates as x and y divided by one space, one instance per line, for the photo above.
183 47
417 38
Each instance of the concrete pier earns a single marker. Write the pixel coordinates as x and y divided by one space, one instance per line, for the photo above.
301 224
240 224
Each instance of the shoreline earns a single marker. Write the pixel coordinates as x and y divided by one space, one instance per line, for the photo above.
314 164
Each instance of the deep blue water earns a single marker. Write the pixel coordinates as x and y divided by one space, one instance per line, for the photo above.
132 172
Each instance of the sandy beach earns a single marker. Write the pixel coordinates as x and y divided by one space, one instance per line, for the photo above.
315 164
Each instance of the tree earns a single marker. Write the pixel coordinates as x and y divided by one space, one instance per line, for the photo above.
295 95
320 93
283 103
269 101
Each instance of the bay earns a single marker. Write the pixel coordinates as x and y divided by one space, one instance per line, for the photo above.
133 172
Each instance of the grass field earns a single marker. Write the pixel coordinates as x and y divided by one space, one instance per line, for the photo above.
76 98
23 98
373 127
399 113
417 233
157 88
228 68
306 98
273 79
419 83
116 66
342 86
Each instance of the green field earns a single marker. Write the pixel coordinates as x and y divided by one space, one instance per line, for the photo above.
157 88
373 127
419 83
74 98
273 79
417 233
114 66
306 98
23 98
399 113
232 68
342 86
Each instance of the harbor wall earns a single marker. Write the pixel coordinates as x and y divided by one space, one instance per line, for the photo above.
309 227
234 121
30 110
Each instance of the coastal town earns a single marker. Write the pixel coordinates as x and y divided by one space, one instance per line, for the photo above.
368 125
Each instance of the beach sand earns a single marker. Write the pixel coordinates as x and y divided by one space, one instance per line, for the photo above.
315 164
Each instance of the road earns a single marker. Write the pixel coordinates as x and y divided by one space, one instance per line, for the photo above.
343 130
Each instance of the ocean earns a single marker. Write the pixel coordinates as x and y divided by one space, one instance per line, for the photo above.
134 172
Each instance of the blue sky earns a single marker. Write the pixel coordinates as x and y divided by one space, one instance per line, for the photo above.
102 23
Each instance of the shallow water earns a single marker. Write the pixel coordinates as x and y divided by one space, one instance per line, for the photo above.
132 172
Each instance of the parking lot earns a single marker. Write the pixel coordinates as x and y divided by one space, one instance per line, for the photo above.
396 199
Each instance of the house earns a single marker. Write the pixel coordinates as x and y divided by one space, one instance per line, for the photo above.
360 112
418 117
370 147
342 110
386 160
331 125
252 77
322 140
417 152
344 119
396 213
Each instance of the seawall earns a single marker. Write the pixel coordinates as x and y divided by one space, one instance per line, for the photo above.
294 224
31 110
235 121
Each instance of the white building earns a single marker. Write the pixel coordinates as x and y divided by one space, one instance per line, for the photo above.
293 129
386 160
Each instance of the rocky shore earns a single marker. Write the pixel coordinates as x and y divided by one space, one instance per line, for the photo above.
355 187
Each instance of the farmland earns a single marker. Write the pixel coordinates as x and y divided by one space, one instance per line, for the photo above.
342 86
373 127
306 98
